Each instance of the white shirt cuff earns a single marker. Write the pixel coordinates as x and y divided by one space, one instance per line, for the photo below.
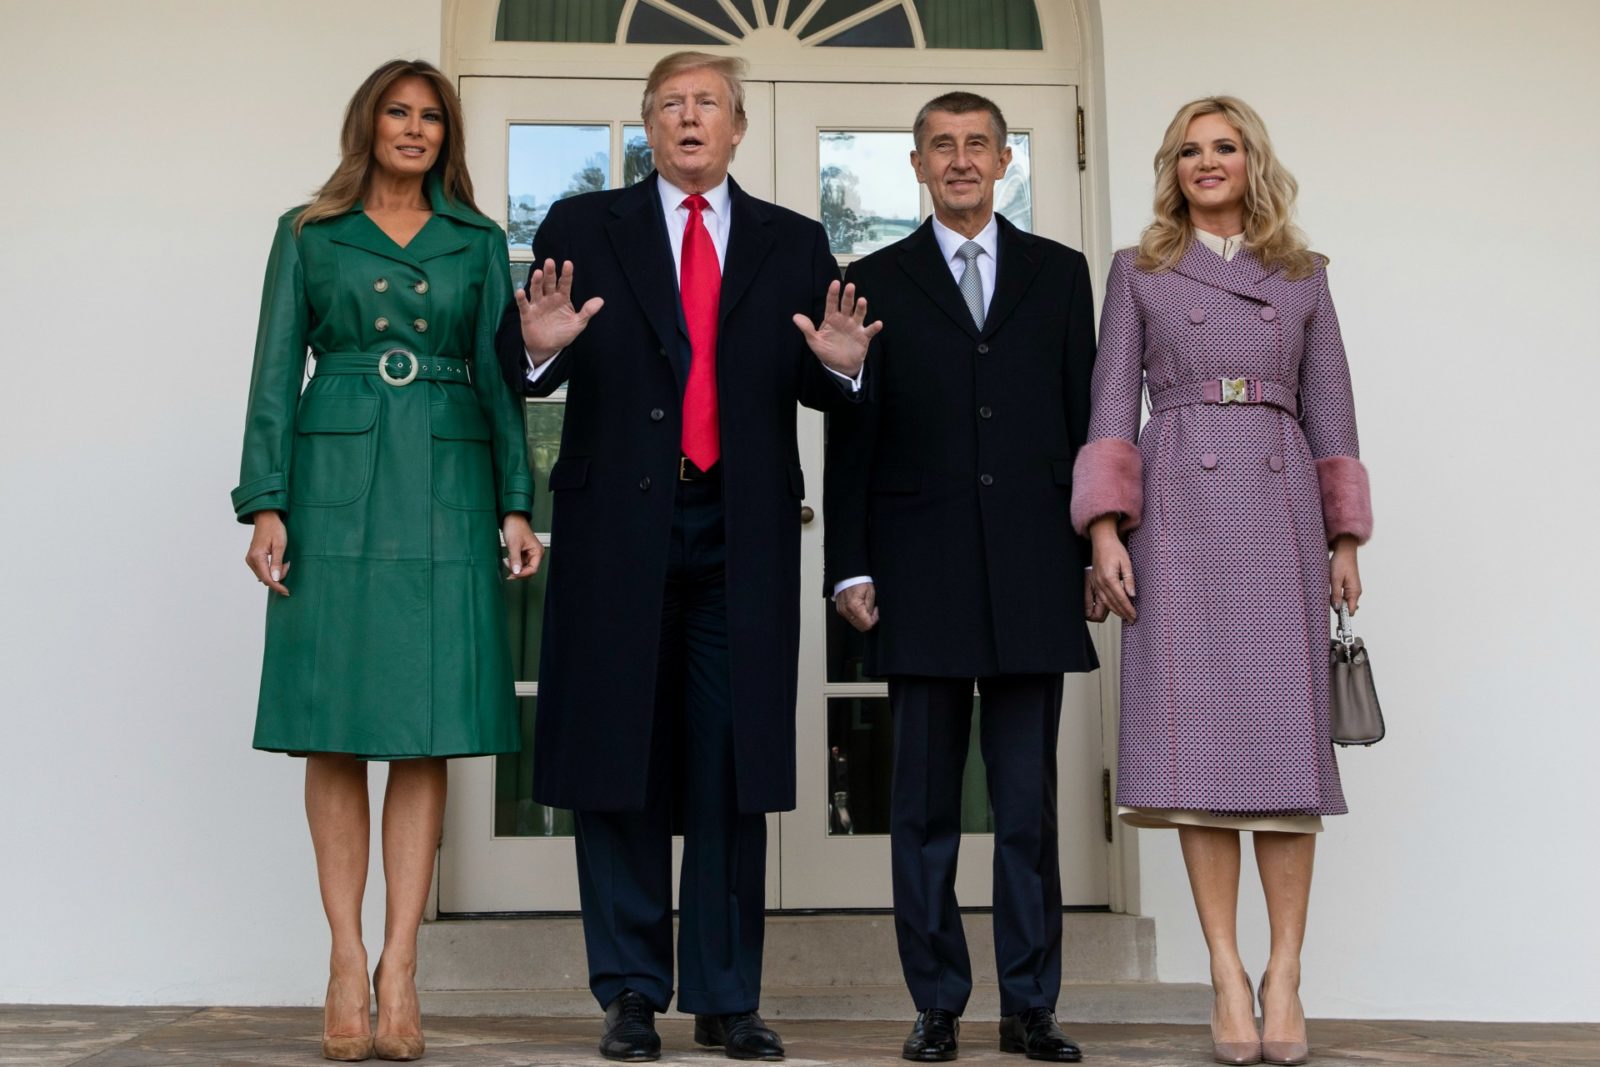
855 387
839 587
536 369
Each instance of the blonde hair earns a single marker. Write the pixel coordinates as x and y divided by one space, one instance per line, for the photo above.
1269 229
731 68
348 183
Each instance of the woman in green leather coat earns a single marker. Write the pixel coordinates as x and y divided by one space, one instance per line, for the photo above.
379 495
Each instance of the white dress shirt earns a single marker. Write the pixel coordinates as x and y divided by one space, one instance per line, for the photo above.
988 261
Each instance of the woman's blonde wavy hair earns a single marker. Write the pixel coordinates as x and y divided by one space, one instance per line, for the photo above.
348 184
1269 229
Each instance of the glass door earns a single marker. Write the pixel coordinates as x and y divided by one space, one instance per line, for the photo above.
844 159
530 142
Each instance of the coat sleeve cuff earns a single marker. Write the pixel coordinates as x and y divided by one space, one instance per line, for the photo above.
1346 498
517 496
1108 479
267 493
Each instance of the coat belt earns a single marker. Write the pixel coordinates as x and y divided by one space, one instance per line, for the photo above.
397 366
1223 391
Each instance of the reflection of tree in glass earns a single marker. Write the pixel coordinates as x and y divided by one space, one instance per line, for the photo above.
844 226
637 161
524 214
1013 194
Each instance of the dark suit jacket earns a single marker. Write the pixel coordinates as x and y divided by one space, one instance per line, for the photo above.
614 486
952 489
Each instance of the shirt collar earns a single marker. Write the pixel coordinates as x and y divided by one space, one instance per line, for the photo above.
950 241
672 197
1222 246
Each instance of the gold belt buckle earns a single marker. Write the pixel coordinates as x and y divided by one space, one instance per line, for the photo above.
383 367
1235 390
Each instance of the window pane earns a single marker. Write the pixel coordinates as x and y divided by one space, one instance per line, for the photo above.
710 11
516 814
546 163
558 20
979 24
867 191
544 441
1013 194
861 767
651 25
637 160
890 29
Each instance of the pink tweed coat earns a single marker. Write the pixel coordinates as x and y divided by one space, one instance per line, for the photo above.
1228 510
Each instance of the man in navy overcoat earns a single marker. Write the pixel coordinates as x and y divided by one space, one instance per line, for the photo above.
679 313
949 541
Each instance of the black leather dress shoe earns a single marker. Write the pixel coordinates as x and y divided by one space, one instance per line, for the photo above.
630 1029
933 1037
1035 1032
742 1036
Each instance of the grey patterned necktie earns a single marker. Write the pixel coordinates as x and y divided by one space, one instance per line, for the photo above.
971 281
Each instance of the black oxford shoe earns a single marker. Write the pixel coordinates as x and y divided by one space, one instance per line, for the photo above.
630 1029
1034 1031
742 1036
933 1037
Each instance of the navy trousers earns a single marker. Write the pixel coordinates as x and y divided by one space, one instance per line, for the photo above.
625 858
1017 731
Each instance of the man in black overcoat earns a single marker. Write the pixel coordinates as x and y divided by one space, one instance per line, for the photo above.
680 319
949 543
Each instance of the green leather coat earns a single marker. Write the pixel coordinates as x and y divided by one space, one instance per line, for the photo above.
393 643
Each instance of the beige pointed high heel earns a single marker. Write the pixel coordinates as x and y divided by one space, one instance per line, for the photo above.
1286 1053
346 1049
1237 1053
395 1046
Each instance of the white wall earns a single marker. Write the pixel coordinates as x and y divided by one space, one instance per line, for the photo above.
1448 160
147 855
1447 153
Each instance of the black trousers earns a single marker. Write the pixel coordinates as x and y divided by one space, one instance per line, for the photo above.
625 858
1017 730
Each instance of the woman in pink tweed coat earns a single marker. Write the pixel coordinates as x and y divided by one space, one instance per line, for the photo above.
1242 501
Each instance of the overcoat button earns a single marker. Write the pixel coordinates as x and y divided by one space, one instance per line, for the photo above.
421 287
421 325
656 414
1269 313
1275 462
1209 461
983 350
985 412
986 479
381 285
380 323
644 484
1197 315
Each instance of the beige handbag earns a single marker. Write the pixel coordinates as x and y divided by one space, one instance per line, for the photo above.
1357 716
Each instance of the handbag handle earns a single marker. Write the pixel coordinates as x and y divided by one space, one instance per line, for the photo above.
1347 636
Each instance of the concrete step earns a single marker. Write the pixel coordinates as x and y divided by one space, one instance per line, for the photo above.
805 951
1081 1002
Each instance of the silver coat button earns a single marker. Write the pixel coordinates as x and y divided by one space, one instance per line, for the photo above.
380 323
381 285
421 287
421 325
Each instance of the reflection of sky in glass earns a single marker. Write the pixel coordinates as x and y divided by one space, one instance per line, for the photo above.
547 162
868 193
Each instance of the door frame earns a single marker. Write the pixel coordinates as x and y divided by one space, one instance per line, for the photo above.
1073 54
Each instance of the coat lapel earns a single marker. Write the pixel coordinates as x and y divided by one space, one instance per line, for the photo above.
1020 257
1242 277
356 230
638 234
921 259
749 240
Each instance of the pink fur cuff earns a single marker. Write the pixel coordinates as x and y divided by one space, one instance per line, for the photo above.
1108 479
1346 498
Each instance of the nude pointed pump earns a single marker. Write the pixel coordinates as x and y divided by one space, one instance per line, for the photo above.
1286 1053
1239 1053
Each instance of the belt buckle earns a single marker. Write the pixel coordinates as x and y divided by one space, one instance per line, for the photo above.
1235 391
683 469
383 367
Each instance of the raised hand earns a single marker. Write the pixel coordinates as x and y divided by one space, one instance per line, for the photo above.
267 546
842 339
549 321
858 605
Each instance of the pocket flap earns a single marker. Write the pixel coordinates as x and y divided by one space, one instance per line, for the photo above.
336 414
797 481
458 422
1061 471
896 480
570 472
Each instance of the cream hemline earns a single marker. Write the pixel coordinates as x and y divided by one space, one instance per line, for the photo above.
1172 818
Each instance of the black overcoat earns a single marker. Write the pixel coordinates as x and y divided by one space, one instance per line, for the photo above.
952 489
614 483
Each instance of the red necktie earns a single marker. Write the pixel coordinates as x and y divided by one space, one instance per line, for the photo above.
700 285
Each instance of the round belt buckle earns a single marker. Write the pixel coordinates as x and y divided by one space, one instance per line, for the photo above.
395 354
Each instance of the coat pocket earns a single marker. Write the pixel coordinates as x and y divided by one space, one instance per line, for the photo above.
570 472
334 437
896 480
463 472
